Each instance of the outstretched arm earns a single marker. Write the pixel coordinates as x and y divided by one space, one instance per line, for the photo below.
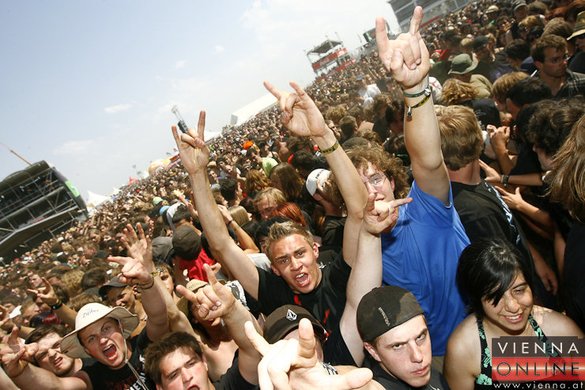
139 269
302 117
195 155
15 362
407 58
48 296
367 270
216 302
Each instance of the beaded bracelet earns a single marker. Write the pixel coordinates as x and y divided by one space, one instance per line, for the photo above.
331 149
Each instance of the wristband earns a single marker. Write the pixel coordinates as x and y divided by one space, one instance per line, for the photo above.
427 92
148 287
57 305
331 149
413 95
505 179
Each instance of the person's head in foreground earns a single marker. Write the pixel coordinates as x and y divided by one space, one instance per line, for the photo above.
176 362
283 324
498 282
101 332
49 355
293 255
395 333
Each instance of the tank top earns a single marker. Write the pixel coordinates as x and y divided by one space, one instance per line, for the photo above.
484 379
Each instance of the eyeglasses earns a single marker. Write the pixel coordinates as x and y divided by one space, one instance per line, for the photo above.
556 60
376 180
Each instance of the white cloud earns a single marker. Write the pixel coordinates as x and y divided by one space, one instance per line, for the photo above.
219 49
73 147
117 108
180 64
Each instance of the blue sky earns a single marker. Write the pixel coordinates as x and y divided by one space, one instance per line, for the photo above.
88 85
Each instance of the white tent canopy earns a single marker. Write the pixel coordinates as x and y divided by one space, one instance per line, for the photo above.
248 111
94 200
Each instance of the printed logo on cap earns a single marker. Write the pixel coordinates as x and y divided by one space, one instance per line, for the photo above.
291 315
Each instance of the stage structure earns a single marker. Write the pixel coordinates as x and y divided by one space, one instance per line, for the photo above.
328 58
36 204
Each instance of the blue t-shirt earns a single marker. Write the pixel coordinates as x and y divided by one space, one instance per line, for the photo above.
421 254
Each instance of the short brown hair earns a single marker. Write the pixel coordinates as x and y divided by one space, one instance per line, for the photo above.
544 42
278 231
156 351
504 83
392 167
461 136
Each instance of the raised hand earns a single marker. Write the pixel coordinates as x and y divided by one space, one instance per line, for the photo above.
47 294
381 217
299 113
6 323
194 153
292 364
406 57
138 244
138 268
16 355
225 213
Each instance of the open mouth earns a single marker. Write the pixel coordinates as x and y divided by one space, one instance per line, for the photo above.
302 279
109 351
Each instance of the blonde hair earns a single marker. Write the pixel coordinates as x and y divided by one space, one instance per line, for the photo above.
240 215
72 282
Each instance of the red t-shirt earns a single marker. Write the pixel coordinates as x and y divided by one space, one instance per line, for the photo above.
195 267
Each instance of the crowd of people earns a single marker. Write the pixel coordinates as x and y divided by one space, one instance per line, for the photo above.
377 229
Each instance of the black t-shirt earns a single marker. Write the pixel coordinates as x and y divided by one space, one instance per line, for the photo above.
326 302
437 381
233 380
486 112
335 351
485 214
333 228
103 377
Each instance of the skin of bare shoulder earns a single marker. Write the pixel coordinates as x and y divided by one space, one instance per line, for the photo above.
554 323
462 358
